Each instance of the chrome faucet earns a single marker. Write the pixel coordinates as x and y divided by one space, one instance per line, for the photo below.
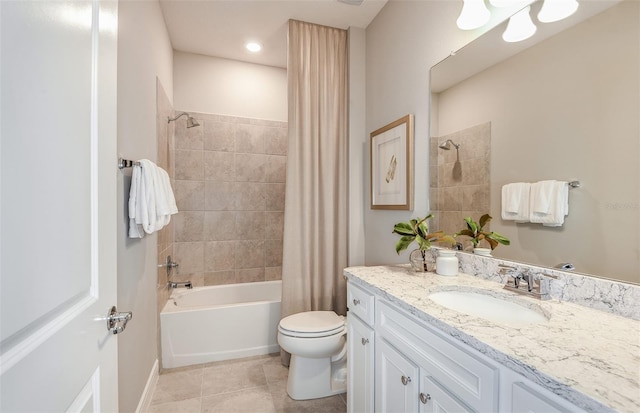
537 285
176 284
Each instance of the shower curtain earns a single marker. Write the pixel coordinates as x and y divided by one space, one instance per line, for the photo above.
315 217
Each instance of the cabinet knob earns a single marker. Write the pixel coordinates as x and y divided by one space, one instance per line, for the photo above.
405 380
424 398
364 341
356 301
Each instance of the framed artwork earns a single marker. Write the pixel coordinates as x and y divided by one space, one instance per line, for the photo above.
392 165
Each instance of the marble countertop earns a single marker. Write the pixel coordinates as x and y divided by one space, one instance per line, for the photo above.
586 356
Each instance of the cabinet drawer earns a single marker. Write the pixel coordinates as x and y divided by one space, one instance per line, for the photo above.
360 303
470 379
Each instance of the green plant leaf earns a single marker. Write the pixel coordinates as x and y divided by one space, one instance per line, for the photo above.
471 224
484 220
423 243
499 238
403 228
466 232
403 243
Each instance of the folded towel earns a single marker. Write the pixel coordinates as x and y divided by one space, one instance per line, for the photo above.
151 200
515 202
552 196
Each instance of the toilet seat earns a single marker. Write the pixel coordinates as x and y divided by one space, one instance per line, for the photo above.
312 324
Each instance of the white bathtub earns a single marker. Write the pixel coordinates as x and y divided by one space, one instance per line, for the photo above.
220 322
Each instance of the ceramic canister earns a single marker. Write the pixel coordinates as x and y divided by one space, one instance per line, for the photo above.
447 262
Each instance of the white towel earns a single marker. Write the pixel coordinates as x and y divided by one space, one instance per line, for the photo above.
549 203
151 200
515 201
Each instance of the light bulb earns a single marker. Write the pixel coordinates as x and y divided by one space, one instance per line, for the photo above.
554 10
474 14
520 27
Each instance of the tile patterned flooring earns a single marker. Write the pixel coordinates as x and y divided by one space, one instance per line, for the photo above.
252 385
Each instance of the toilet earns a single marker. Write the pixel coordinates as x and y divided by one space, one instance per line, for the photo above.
317 341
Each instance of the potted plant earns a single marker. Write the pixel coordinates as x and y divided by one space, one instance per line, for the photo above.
418 230
475 230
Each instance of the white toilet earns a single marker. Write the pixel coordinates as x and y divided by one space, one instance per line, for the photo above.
318 345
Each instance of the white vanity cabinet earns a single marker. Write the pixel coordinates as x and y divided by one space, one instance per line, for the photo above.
418 368
360 350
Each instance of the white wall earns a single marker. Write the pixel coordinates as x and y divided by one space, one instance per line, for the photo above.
403 42
144 52
229 87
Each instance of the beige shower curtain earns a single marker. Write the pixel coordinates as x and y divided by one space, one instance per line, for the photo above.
315 217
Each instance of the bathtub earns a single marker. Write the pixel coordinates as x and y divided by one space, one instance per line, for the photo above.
220 322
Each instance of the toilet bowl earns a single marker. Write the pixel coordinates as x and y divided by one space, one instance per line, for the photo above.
317 343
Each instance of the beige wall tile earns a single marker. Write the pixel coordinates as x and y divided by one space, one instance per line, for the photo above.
250 167
219 136
250 138
188 138
476 197
274 197
189 226
475 172
189 165
189 195
190 256
250 196
452 198
272 273
276 170
250 275
250 225
219 277
219 256
219 166
220 225
249 254
219 196
276 141
273 253
273 225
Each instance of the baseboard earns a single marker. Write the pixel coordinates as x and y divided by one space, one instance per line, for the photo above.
147 394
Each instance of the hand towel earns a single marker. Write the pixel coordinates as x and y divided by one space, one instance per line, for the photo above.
515 201
151 199
552 196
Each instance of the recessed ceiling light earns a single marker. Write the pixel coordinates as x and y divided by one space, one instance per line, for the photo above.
253 47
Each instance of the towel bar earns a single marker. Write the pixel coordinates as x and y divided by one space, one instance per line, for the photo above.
125 163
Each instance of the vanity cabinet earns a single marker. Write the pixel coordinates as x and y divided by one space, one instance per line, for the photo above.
360 350
418 368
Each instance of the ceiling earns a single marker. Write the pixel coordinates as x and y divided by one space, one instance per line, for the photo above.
222 27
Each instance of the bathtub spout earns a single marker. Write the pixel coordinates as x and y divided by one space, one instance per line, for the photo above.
174 284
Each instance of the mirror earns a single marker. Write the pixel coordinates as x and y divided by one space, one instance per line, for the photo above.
562 105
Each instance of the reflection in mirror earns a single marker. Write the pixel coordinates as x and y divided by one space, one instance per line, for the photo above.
561 108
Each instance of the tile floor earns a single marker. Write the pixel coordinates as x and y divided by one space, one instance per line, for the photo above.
255 385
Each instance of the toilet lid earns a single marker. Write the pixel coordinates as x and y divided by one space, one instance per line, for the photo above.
312 322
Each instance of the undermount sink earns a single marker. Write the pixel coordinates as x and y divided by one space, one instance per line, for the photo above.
489 307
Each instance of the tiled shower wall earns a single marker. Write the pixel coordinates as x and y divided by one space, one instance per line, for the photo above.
460 179
229 187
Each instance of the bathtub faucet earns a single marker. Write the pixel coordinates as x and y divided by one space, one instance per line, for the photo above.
176 284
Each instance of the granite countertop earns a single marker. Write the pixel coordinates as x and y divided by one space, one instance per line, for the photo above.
586 356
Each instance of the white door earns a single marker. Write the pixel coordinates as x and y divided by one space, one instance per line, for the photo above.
57 205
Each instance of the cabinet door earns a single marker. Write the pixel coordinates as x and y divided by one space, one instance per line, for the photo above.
435 399
527 400
396 382
360 357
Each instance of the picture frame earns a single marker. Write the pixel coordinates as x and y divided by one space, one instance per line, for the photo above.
391 165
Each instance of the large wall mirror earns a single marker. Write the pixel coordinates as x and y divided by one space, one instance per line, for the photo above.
562 105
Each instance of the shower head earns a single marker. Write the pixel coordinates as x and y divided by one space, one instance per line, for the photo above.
191 122
447 145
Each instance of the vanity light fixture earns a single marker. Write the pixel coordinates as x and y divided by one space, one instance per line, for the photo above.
555 10
474 14
520 27
253 47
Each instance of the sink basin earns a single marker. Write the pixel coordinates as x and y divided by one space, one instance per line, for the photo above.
489 307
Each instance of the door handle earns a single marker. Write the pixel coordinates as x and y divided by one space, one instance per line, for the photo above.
424 398
405 380
117 322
